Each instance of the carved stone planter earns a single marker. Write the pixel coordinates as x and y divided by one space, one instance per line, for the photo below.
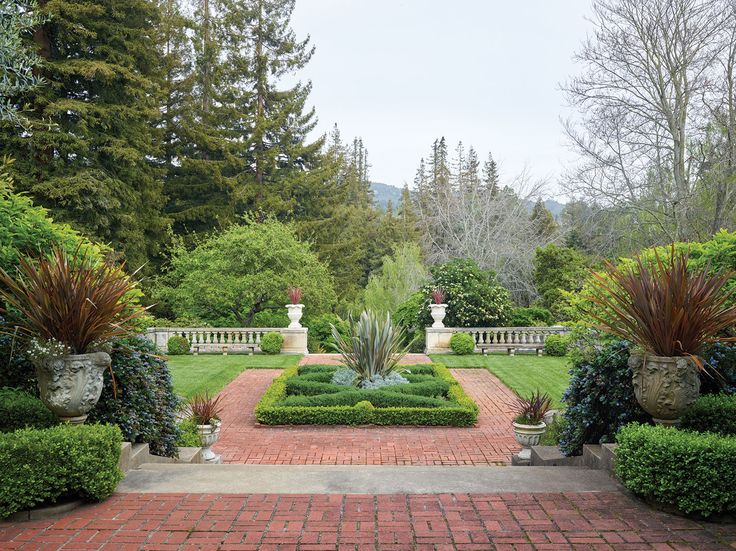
528 436
438 311
665 386
71 385
209 434
295 314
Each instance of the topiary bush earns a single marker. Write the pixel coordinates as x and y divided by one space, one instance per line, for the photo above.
462 344
678 469
40 466
145 405
178 345
19 409
600 399
713 413
556 345
271 343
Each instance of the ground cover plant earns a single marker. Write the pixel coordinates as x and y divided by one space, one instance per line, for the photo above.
306 395
521 373
212 372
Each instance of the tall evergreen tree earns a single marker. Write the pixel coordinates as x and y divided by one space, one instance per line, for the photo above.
490 176
92 166
542 220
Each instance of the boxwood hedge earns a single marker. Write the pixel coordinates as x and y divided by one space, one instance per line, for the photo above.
678 469
20 409
434 397
42 465
712 413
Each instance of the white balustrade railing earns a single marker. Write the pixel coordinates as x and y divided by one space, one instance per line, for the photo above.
494 338
225 340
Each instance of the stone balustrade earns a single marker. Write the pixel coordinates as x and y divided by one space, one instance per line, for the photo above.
229 340
508 339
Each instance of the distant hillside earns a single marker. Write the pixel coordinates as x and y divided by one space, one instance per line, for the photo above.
554 207
383 193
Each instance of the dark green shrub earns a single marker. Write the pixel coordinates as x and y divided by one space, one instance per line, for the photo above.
600 399
418 343
409 316
178 345
379 398
474 297
16 370
534 316
721 375
270 318
462 344
712 413
556 345
145 406
40 466
688 471
271 343
320 334
19 410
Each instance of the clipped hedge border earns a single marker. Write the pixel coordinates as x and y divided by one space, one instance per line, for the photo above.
269 412
678 469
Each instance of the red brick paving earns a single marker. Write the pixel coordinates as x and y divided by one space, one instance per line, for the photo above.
480 522
490 442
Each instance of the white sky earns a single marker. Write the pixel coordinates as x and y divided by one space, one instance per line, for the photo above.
400 73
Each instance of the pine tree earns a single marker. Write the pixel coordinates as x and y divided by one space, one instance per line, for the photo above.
93 166
408 222
542 220
490 176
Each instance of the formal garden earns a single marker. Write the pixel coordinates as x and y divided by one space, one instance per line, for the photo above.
218 332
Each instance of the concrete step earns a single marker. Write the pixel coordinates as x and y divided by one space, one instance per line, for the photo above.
135 455
126 449
138 455
608 452
361 479
551 456
592 456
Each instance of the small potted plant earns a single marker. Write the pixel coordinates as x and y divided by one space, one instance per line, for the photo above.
668 312
69 309
295 308
529 425
205 411
438 307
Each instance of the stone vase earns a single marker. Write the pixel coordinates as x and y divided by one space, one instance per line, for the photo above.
438 311
208 435
665 386
295 314
528 436
71 385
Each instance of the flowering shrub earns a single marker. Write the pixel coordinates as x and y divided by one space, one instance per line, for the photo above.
473 296
600 399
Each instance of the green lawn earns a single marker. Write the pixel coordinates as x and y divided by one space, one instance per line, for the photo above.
211 372
521 373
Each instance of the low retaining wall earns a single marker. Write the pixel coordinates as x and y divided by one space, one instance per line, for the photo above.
228 340
507 339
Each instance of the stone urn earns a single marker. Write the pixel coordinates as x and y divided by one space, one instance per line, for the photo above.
208 435
71 385
528 436
295 314
438 311
665 386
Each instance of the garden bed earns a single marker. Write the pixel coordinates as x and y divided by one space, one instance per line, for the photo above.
305 396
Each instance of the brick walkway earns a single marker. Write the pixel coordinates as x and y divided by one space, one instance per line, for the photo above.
479 522
491 441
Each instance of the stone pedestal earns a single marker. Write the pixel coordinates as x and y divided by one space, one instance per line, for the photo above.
438 340
295 341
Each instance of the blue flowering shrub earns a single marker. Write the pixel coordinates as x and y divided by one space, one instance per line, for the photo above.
720 374
600 399
141 399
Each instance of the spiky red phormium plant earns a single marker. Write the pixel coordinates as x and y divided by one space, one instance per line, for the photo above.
204 409
295 295
438 295
662 307
69 299
530 411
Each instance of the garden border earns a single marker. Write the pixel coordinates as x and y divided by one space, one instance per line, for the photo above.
268 413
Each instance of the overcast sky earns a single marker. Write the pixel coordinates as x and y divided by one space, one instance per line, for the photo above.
399 73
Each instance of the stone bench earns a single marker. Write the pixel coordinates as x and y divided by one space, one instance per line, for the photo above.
510 349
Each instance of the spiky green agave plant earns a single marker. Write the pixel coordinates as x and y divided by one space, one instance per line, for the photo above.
372 346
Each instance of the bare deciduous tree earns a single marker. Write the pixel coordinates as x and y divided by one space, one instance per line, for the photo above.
648 69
